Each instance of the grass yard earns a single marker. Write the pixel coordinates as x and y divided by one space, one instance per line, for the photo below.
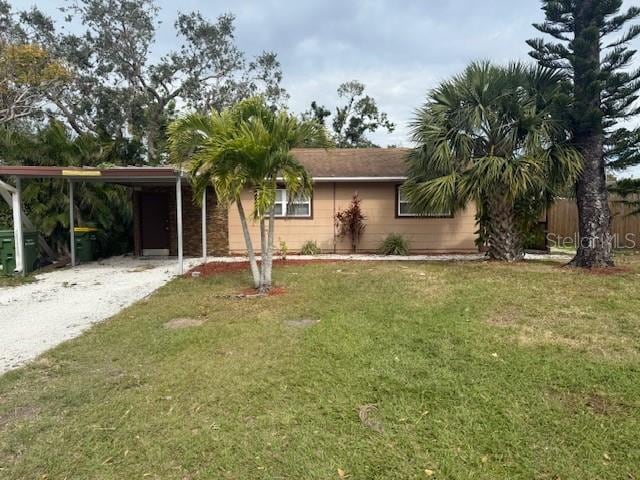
12 281
358 371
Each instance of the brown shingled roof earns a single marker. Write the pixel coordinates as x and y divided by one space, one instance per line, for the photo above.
353 162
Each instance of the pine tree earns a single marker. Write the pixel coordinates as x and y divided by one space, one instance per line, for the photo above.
604 92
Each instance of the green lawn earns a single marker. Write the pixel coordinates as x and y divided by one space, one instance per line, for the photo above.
476 370
12 281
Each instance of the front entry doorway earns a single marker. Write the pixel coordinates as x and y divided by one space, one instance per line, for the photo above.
154 223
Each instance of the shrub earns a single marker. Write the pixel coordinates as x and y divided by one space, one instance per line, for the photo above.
395 244
310 248
350 222
284 249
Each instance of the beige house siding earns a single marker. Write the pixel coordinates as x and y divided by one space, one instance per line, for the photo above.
425 235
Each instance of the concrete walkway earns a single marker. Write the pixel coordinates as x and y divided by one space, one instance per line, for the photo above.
61 304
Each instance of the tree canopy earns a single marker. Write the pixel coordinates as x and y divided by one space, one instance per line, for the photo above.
353 120
590 43
28 77
120 89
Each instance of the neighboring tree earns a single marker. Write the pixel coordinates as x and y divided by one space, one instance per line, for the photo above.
604 92
28 76
353 120
246 147
317 113
489 136
350 222
120 91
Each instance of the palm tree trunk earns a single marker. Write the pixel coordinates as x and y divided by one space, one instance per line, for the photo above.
269 263
247 240
594 218
263 254
504 239
595 242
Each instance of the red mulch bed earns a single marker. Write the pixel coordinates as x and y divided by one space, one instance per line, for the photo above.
218 268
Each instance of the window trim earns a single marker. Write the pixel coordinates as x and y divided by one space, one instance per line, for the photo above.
415 215
285 216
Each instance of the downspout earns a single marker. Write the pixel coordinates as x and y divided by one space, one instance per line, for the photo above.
333 220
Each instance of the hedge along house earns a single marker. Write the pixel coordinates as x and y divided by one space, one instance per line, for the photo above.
376 175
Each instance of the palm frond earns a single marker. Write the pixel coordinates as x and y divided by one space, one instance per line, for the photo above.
490 128
244 147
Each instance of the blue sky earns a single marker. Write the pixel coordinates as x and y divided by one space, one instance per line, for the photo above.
399 49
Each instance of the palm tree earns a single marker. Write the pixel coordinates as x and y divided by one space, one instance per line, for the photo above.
490 135
246 147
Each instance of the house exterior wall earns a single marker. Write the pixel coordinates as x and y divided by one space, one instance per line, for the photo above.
424 234
217 226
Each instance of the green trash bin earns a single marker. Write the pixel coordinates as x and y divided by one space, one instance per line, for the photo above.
8 252
86 243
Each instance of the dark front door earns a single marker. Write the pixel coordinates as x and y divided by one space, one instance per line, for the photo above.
154 223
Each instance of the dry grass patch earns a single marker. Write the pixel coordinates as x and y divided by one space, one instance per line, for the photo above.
302 323
423 284
18 414
507 317
610 347
592 402
544 305
179 323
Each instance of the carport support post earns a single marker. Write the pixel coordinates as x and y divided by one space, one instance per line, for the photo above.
18 234
179 221
204 226
72 233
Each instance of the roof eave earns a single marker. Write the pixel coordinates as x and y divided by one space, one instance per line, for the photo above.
359 179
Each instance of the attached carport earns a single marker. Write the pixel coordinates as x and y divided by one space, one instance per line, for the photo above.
127 176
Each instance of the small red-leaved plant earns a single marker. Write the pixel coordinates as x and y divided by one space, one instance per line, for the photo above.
350 222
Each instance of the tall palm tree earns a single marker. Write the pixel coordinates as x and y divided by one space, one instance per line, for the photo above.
246 147
490 135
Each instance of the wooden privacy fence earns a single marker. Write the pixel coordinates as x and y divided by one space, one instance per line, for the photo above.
562 224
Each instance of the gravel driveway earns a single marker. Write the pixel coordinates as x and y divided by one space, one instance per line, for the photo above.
63 303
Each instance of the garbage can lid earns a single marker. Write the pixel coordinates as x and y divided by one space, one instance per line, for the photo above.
84 229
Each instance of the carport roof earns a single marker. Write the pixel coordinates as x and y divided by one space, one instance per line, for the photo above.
111 174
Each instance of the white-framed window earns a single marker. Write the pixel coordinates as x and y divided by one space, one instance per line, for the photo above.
405 209
298 206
